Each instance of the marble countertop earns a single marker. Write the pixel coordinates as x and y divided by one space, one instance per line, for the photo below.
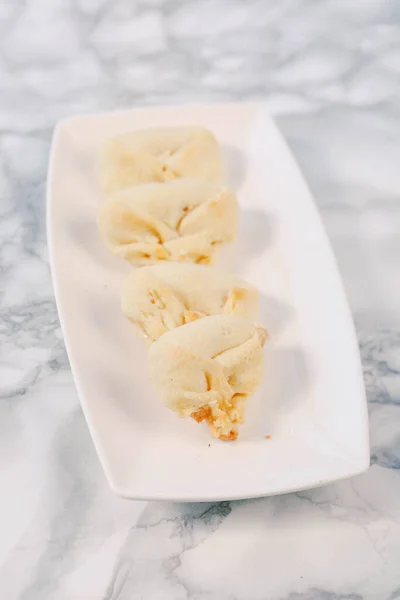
330 72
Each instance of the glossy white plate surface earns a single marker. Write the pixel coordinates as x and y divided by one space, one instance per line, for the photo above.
312 401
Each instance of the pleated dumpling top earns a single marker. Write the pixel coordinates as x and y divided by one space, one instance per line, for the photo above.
208 368
167 295
159 155
183 220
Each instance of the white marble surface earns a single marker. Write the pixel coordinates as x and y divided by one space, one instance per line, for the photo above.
330 71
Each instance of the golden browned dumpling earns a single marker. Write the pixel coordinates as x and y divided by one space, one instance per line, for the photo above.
208 368
183 220
159 155
164 296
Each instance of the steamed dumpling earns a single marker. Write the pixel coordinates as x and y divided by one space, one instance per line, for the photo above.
164 296
159 155
183 220
208 368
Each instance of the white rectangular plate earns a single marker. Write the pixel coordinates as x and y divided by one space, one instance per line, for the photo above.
312 401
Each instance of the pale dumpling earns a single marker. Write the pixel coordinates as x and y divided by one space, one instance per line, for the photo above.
159 155
164 296
183 220
208 368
